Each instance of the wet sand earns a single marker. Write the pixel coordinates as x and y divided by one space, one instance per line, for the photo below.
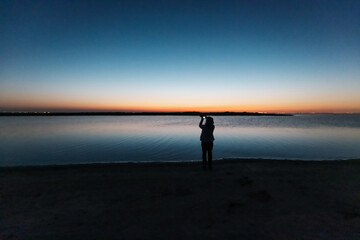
238 199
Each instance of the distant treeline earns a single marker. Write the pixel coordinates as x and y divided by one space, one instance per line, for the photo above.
140 114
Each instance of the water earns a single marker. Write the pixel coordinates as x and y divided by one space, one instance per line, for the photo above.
87 139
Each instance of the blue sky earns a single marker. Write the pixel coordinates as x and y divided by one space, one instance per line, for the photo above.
283 56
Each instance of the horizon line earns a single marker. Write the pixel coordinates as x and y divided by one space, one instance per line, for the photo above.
165 112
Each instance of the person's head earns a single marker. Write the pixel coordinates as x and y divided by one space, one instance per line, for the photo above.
209 121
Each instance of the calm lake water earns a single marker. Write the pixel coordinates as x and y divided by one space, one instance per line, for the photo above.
88 139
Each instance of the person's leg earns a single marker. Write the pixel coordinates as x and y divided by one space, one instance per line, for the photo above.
210 148
203 146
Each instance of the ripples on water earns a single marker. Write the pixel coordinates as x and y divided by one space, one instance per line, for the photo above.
82 139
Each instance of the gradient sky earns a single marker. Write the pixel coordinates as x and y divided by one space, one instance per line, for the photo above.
268 56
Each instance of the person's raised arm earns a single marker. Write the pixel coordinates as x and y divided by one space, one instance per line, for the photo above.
201 121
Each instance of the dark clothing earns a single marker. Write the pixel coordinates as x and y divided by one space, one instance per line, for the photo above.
207 149
207 133
207 139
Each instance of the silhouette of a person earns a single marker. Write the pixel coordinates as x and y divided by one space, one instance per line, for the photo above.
207 139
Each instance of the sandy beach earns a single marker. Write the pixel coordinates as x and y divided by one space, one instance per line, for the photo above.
238 199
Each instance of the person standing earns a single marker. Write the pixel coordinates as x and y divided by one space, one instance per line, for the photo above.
207 139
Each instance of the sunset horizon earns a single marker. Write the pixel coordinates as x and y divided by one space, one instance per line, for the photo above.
174 110
256 56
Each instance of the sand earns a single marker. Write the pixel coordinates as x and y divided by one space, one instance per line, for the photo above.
237 199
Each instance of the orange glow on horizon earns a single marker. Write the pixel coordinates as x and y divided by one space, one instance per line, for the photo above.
248 104
113 108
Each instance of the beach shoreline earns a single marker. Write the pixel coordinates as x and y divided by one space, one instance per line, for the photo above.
185 162
237 199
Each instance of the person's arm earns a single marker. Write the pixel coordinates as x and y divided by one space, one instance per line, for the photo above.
201 121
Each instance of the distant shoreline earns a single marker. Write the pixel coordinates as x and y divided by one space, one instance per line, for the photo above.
9 114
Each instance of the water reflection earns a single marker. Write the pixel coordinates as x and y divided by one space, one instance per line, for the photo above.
60 140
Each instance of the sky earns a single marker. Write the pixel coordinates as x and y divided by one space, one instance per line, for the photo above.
257 56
